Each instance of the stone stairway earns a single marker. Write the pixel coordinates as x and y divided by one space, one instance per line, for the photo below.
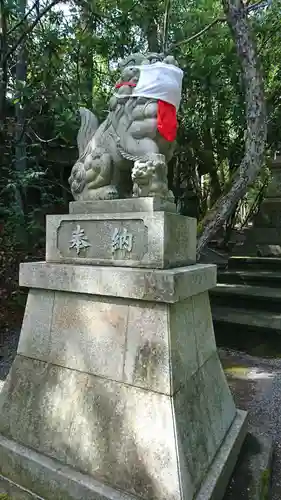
246 303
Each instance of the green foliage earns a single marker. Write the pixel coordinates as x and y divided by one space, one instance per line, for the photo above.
69 58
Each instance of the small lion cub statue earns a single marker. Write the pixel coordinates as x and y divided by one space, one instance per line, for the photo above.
149 178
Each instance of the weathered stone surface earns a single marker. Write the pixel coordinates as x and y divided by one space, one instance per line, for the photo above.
14 491
129 133
209 412
269 214
266 235
170 285
147 357
183 345
156 240
216 481
36 326
118 434
51 479
192 337
148 204
274 186
117 377
120 339
89 335
48 478
203 327
263 237
219 402
269 250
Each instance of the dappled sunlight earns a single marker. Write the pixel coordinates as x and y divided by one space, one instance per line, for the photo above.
232 285
149 419
248 373
95 424
63 406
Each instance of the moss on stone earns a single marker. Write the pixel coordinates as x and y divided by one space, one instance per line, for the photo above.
265 478
237 371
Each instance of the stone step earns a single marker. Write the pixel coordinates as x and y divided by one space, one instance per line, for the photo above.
246 296
209 255
243 277
250 318
254 263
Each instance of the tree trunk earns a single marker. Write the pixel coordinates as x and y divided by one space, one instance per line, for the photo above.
3 67
150 27
20 139
256 124
86 62
215 188
152 37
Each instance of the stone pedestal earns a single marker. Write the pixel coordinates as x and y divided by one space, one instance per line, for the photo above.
263 239
117 391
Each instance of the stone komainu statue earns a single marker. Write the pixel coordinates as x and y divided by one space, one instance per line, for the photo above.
141 125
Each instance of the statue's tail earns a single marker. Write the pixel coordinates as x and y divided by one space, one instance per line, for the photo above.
88 128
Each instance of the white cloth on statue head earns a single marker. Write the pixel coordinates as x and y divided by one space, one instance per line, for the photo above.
159 81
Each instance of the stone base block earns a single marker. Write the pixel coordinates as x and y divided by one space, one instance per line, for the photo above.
260 242
263 238
147 204
143 443
155 285
155 346
122 384
135 239
31 472
130 393
268 215
28 475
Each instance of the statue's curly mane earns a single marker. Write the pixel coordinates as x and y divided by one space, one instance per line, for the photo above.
128 134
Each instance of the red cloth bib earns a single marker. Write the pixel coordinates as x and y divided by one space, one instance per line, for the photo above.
167 123
130 84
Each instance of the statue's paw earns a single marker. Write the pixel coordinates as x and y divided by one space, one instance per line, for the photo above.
171 197
102 193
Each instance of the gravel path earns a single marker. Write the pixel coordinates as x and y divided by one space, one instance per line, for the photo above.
254 382
256 387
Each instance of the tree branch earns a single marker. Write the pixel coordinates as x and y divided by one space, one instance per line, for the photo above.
200 33
46 141
257 5
166 24
23 19
29 29
248 8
